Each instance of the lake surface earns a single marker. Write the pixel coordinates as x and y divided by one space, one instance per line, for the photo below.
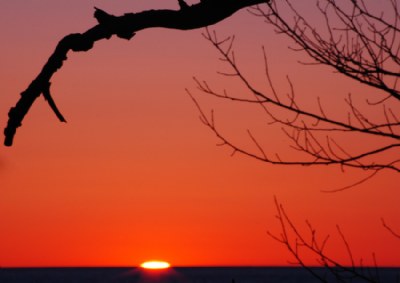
181 275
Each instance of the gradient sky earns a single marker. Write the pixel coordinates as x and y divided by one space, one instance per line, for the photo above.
134 175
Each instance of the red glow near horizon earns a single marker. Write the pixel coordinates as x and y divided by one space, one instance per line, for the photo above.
135 172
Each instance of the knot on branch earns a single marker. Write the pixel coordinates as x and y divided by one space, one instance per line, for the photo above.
112 23
77 42
125 34
183 5
102 16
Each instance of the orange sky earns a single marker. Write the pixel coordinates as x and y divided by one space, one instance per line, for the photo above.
134 175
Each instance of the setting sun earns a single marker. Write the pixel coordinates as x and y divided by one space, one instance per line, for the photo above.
155 264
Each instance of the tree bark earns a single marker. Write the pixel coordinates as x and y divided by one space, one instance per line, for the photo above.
205 13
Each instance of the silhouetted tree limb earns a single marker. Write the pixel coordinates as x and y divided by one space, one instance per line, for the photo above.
298 243
357 41
188 17
390 229
354 40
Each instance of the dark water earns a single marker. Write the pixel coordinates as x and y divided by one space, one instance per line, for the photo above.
183 275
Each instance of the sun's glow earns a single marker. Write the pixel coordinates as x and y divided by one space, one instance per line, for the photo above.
155 264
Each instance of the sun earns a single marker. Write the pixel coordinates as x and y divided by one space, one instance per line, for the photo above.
155 264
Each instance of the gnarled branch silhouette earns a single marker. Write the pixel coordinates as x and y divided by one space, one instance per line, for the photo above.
188 17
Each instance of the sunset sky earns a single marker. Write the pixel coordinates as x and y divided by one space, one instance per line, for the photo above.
134 175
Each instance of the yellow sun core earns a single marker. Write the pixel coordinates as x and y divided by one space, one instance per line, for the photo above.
155 264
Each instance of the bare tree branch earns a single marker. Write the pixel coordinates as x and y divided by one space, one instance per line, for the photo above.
390 229
309 132
188 17
296 243
356 42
